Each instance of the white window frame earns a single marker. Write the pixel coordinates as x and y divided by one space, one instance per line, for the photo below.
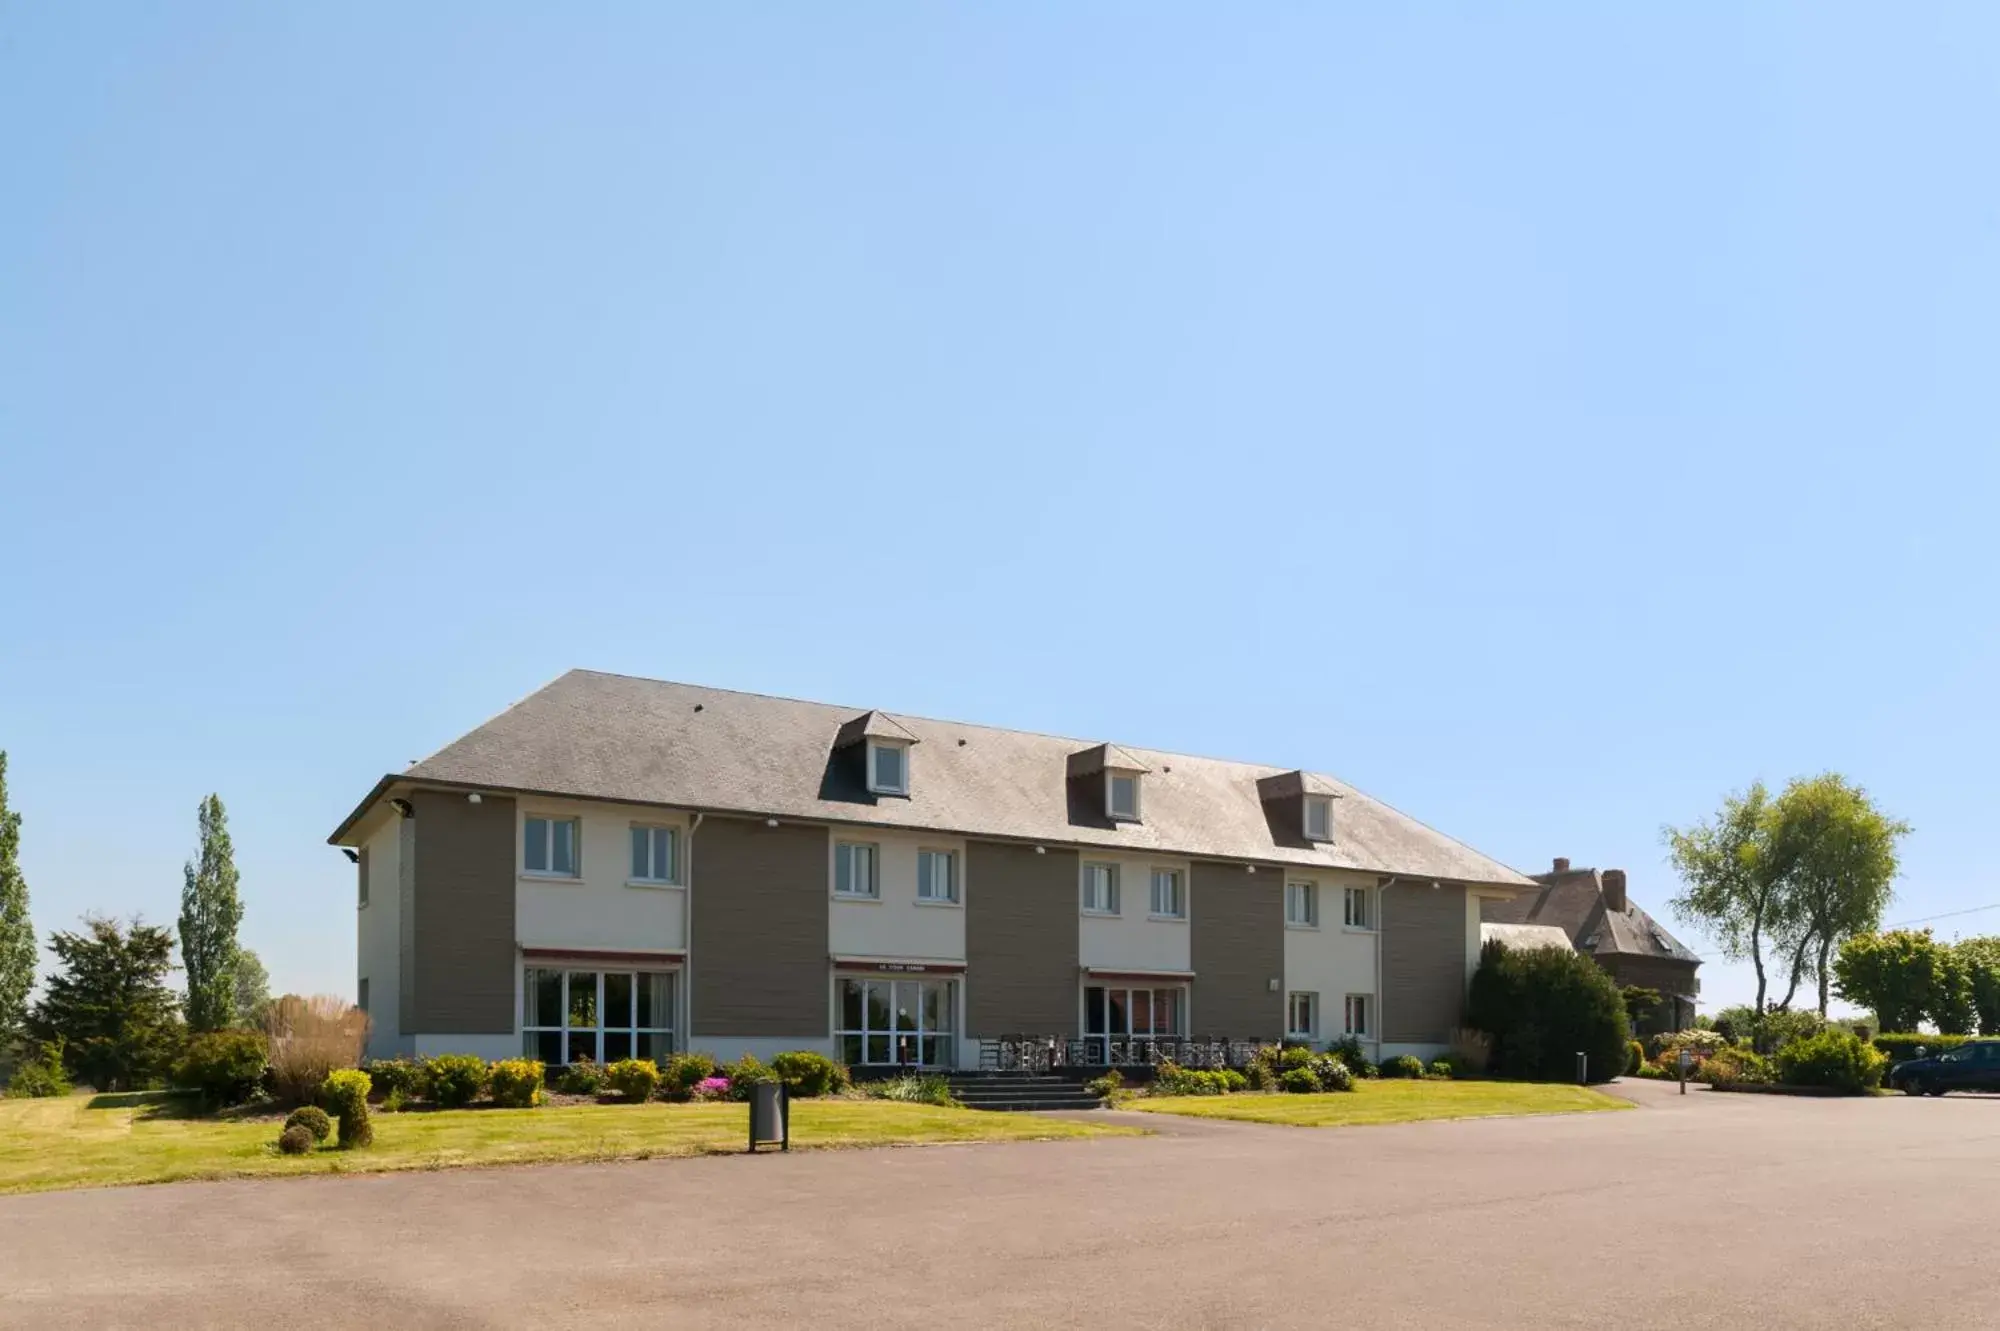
1348 1026
1294 1031
872 890
1364 895
1324 805
575 846
1176 908
1112 776
1110 880
633 1027
875 785
933 855
941 1040
1097 1044
652 877
1309 893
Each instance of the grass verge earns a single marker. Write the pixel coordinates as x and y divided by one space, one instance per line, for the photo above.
98 1141
1390 1102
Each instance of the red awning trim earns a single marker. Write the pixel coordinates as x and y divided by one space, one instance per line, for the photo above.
593 955
899 966
1097 974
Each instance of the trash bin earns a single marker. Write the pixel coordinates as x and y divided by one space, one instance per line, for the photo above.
770 1116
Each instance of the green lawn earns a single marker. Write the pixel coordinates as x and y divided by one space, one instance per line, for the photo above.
1389 1102
85 1141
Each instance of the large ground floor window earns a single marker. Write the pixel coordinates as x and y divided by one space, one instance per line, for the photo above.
604 1016
1115 1014
889 1023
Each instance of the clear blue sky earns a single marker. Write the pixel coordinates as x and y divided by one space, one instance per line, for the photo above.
1547 421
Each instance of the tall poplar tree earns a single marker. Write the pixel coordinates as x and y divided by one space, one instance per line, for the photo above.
17 933
210 914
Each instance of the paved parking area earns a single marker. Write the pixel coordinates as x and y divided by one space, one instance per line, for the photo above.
1703 1211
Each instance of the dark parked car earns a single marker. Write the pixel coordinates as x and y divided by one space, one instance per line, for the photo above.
1970 1067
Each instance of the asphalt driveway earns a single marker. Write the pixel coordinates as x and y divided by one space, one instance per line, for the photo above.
1703 1211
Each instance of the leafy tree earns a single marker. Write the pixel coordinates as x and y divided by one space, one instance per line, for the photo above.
1835 854
253 988
1541 1007
1639 1002
1904 976
109 1004
1981 959
1728 883
17 932
210 914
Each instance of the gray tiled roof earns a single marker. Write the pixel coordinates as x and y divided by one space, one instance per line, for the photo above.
614 737
1574 903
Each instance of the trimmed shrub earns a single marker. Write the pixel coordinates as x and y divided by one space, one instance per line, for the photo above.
1731 1067
1108 1085
225 1067
296 1141
313 1119
1403 1065
582 1077
1635 1057
399 1076
345 1094
1699 1044
1170 1078
808 1074
515 1083
918 1088
1833 1058
1654 1072
746 1072
1350 1052
1541 1006
1900 1047
1441 1069
1298 1081
456 1080
683 1072
1330 1073
42 1077
635 1079
1232 1080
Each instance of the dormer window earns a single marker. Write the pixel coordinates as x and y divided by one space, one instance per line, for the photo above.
1121 796
888 768
1319 818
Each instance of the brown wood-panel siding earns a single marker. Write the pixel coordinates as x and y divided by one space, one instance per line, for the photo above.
1236 950
757 952
1423 962
463 926
1021 958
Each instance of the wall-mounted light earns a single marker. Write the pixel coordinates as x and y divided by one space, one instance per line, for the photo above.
472 798
1041 850
770 822
1249 868
1273 984
353 857
403 807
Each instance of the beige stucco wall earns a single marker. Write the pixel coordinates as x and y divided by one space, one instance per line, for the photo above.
897 924
1333 960
602 908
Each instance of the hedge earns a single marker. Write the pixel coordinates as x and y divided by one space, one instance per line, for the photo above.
1899 1047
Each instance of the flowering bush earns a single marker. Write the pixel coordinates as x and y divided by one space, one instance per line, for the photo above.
517 1083
712 1088
1699 1044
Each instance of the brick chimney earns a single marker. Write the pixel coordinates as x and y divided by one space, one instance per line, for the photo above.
1614 889
1562 864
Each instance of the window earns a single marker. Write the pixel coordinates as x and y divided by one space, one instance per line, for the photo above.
937 876
1357 1015
1302 1015
888 769
1120 1014
896 1022
603 1016
656 855
1302 905
1100 889
1360 908
1319 818
1169 902
549 847
1121 796
854 870
361 994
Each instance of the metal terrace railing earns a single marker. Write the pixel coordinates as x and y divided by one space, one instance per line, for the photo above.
1044 1053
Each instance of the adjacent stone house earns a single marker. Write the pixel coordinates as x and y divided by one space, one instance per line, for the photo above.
1591 907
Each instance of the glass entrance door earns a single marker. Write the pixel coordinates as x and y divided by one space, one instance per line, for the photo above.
1119 1020
896 1023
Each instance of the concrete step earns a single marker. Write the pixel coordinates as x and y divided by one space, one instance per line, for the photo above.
1033 1106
